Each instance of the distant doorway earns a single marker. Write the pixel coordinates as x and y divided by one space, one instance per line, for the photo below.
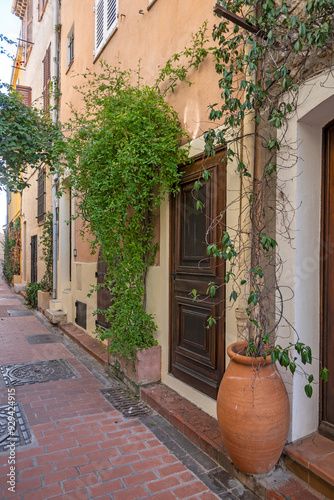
33 269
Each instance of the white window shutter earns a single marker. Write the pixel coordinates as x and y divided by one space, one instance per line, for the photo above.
99 23
106 21
112 8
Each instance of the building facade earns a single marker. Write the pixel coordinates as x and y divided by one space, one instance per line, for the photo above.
77 38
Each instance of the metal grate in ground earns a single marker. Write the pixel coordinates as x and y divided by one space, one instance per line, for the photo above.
126 402
19 312
39 371
13 427
41 339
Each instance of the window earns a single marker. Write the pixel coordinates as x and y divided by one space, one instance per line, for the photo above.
41 196
70 47
46 78
106 21
41 7
25 93
27 30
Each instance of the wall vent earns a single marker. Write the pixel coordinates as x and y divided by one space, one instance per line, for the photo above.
81 314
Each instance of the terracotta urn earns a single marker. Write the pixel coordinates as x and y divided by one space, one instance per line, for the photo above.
253 411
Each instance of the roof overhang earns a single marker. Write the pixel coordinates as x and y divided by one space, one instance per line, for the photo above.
19 8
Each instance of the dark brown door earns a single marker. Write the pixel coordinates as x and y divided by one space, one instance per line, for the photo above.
33 263
197 354
327 416
103 294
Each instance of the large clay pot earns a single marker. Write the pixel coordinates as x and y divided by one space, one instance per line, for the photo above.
253 411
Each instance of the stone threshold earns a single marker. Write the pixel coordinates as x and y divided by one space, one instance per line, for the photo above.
312 459
203 430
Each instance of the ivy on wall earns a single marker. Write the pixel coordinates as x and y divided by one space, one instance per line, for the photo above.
123 156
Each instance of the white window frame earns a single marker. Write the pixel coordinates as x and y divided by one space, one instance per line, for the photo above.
150 4
104 33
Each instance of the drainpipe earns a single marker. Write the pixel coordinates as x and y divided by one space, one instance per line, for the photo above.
55 176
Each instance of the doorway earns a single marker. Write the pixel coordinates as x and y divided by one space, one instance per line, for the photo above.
33 269
197 353
327 393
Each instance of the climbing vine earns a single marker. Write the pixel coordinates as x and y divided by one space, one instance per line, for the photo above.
123 156
46 241
263 57
12 251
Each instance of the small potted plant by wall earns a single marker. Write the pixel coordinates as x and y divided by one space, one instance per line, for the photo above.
261 59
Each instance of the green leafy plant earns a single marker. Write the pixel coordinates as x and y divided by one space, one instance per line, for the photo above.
261 68
28 138
31 294
12 251
46 241
7 265
123 156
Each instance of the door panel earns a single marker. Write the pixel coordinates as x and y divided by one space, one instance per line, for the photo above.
197 354
327 413
33 268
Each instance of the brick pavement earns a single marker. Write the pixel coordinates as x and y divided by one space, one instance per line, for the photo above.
81 447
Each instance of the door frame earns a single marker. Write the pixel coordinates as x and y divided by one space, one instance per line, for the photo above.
325 427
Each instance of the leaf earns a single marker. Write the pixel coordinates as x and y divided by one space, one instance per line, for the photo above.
206 175
324 374
292 367
308 390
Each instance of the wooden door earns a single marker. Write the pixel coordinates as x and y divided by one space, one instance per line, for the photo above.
327 406
33 262
197 354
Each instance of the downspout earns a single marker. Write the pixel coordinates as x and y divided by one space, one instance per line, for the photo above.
55 176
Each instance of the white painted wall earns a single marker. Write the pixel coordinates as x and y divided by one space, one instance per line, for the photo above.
301 183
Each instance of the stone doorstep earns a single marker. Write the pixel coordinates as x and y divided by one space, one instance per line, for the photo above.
312 459
203 431
56 317
19 287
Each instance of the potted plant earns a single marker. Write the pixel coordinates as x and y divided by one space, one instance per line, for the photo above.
262 57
